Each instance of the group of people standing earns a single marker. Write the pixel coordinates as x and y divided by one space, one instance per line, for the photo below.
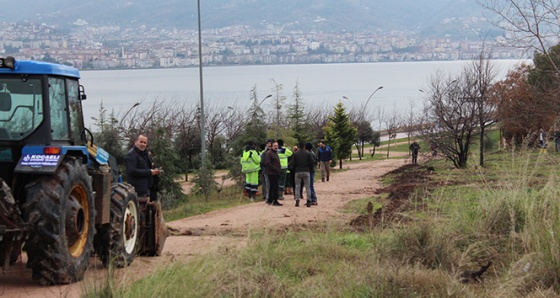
278 164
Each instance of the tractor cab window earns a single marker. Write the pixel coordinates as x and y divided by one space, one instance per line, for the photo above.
21 106
76 118
58 108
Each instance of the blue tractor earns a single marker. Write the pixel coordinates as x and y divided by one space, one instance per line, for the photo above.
60 195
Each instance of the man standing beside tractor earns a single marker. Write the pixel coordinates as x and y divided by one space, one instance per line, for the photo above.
139 167
140 174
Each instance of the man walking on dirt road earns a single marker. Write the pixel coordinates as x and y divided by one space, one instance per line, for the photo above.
414 147
325 156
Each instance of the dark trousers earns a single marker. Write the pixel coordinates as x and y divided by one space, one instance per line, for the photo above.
272 188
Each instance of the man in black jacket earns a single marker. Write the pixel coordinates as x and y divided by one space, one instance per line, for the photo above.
273 169
302 163
139 167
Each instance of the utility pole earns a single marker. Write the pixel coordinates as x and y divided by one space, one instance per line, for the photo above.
202 122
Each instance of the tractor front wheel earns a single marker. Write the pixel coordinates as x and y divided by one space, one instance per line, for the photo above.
119 238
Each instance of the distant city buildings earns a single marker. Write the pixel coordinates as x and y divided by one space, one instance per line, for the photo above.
112 47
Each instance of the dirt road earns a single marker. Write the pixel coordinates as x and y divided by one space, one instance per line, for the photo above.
219 229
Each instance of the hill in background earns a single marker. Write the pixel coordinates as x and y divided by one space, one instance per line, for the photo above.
425 17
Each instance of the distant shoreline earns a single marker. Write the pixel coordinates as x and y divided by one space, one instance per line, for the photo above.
280 64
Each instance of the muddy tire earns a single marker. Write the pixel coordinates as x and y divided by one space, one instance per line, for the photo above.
61 210
10 213
154 231
119 239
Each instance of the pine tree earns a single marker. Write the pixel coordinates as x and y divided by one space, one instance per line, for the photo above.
255 128
340 133
296 114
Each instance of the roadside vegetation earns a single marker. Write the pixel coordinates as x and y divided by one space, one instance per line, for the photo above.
437 227
449 227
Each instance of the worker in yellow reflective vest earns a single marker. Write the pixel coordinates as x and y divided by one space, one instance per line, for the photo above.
250 165
283 154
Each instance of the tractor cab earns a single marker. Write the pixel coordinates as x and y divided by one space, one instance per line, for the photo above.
60 196
40 105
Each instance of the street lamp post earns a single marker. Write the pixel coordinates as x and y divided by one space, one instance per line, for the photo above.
127 112
367 101
362 117
202 124
123 118
259 105
254 110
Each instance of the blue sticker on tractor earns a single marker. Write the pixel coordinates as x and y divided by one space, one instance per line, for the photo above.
39 160
102 156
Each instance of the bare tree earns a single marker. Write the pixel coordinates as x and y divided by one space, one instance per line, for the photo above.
411 120
451 118
529 24
187 141
233 122
317 118
217 125
392 122
279 100
479 77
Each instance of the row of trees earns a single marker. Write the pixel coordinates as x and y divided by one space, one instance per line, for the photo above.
174 131
457 110
460 108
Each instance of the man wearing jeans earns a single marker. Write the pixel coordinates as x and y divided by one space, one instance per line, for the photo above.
309 147
301 163
325 156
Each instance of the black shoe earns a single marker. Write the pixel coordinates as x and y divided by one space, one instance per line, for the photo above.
276 203
297 203
308 204
268 203
314 203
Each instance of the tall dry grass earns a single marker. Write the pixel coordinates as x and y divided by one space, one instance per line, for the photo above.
508 213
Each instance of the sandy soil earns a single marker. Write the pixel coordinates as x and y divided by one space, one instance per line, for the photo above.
221 229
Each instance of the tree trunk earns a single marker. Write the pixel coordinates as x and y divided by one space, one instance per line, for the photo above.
340 163
481 161
359 151
388 146
363 153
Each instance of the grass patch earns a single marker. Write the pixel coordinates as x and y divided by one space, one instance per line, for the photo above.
451 221
359 206
230 196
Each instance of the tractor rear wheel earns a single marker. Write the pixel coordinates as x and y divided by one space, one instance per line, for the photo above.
119 239
60 208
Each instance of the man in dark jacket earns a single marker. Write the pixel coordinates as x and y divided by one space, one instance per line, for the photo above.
325 156
273 170
139 167
414 147
301 163
309 147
